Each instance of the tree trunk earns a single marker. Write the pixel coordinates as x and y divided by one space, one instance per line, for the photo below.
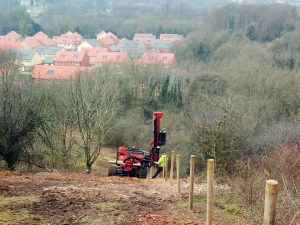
11 164
88 168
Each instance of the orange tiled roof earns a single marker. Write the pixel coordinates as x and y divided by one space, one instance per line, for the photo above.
111 57
41 34
93 52
43 39
69 56
50 72
13 34
47 41
69 38
32 42
10 45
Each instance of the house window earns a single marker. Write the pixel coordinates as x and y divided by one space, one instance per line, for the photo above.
164 57
104 57
118 56
76 63
75 55
50 72
62 56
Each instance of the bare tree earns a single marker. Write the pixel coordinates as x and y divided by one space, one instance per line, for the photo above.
19 113
96 104
58 133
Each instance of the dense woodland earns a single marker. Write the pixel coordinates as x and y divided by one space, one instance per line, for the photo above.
234 95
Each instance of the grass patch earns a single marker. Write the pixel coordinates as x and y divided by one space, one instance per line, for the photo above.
227 210
109 213
22 216
17 200
23 77
16 210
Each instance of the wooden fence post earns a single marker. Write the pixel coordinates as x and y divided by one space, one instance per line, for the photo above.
210 185
163 172
270 202
151 172
166 168
172 165
178 173
191 192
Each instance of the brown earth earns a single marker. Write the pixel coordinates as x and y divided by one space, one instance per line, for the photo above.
79 198
56 198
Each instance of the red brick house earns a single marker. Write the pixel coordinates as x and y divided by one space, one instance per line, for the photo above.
45 73
12 36
107 39
37 40
69 41
156 59
93 53
31 42
12 40
72 58
10 45
147 39
44 39
111 57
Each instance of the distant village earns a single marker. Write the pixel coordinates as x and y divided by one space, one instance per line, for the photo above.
62 57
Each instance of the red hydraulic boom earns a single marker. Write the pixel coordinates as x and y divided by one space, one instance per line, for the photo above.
133 161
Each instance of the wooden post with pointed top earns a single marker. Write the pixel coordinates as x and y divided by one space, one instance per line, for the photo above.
178 173
210 185
172 165
270 202
191 191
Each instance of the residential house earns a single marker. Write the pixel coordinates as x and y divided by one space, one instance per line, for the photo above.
31 42
27 59
107 39
71 58
41 34
88 43
10 45
69 41
110 35
44 39
45 73
48 50
111 57
10 41
133 48
12 37
147 39
48 53
170 37
48 60
165 59
113 48
161 46
93 53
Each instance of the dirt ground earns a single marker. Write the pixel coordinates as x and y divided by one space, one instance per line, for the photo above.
55 198
79 198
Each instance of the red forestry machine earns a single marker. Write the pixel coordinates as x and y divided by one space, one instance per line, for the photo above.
134 162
